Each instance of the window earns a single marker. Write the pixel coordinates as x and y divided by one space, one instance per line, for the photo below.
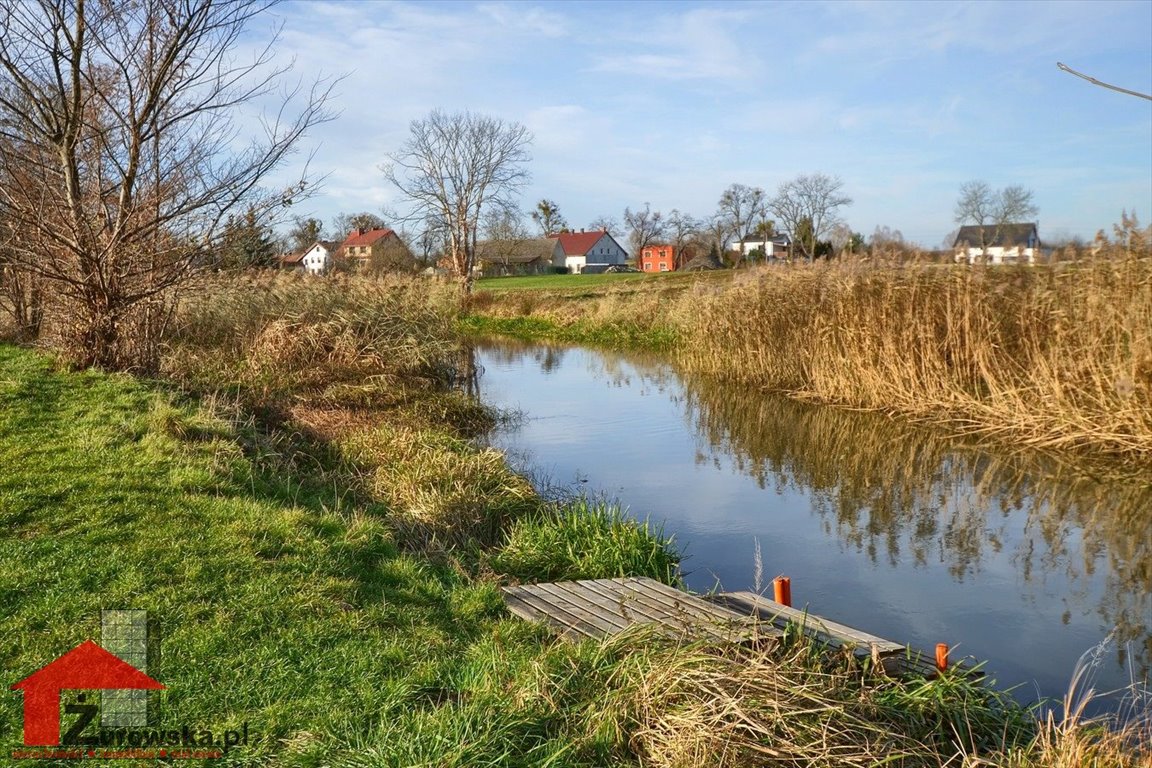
663 266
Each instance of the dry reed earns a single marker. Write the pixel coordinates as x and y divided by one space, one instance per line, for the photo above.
1049 357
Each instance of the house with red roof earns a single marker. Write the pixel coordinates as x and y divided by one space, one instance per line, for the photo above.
375 250
587 252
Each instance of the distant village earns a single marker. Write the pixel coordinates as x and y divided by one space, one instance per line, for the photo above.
378 248
594 251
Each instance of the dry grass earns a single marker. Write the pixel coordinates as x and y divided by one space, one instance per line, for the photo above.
338 341
442 492
684 706
1051 357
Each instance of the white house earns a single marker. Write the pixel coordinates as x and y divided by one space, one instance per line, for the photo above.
587 251
1006 244
774 247
317 260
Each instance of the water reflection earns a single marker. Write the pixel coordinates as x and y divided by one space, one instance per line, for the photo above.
907 500
896 493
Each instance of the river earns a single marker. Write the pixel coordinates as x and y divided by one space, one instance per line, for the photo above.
1013 559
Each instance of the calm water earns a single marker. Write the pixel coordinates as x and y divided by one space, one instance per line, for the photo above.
895 530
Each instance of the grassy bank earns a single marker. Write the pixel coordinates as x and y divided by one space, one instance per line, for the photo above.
1054 357
302 510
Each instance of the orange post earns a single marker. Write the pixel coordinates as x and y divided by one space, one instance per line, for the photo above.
782 586
941 656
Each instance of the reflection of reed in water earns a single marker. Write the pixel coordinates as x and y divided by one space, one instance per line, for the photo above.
897 492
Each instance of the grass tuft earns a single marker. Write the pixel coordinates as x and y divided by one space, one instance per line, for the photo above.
585 539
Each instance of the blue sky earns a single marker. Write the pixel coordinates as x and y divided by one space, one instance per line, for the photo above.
668 103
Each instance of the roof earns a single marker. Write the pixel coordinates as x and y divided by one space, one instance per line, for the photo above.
292 258
87 666
515 251
366 237
703 261
579 243
779 238
1009 235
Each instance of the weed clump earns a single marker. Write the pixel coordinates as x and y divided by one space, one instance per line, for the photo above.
585 539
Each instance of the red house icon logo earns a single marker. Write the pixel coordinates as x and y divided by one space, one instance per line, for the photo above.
85 667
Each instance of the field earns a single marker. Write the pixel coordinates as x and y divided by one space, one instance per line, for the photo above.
593 283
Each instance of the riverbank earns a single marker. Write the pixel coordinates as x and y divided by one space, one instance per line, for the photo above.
300 507
1053 357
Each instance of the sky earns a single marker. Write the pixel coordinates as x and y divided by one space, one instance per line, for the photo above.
668 103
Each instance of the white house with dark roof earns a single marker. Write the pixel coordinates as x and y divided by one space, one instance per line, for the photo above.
1003 244
775 247
580 252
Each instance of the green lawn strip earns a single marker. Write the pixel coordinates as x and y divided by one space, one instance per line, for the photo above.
276 610
616 335
560 282
596 284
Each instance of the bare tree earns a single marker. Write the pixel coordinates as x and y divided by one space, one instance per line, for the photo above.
991 210
605 223
454 167
808 207
717 232
344 224
304 233
644 228
547 216
118 157
740 207
682 228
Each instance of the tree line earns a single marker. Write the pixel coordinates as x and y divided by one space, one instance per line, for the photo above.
122 175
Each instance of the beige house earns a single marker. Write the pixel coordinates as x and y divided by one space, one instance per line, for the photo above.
376 250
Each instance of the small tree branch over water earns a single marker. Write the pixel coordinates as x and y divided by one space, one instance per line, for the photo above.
1065 68
454 168
119 158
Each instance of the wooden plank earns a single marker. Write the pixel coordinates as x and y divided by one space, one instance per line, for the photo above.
558 614
641 609
657 602
610 621
603 607
826 630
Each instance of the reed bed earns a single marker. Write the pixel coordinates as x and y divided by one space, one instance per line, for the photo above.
343 341
1055 357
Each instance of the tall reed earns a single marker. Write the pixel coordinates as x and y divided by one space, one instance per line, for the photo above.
347 341
1051 357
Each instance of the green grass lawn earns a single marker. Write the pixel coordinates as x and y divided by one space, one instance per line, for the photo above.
283 602
587 282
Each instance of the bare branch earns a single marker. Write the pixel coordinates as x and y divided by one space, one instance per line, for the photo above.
1101 83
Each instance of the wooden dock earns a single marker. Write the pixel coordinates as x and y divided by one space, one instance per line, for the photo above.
602 608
